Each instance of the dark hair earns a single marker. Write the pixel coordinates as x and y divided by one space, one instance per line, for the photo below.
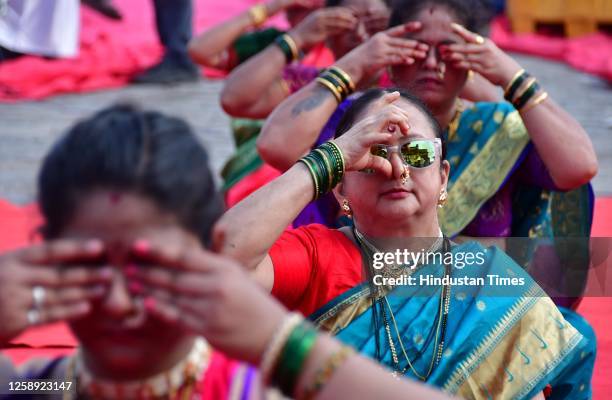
124 148
473 14
362 102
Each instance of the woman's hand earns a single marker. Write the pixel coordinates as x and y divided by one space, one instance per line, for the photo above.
384 49
480 55
376 20
207 294
38 285
321 24
386 123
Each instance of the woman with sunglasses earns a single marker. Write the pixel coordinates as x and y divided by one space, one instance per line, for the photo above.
470 340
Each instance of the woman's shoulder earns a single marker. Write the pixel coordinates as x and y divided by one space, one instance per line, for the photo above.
491 117
43 368
491 109
320 236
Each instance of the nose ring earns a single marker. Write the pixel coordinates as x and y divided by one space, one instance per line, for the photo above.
405 175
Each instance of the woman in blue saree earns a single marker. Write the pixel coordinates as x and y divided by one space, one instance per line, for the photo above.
463 330
517 170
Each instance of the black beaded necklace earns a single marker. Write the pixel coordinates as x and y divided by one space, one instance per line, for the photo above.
380 305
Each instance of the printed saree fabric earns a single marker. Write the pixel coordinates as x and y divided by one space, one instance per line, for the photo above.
499 187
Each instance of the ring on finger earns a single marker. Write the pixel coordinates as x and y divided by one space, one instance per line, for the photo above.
33 317
38 296
479 39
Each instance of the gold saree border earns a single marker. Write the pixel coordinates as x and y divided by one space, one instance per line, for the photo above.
544 332
484 175
342 314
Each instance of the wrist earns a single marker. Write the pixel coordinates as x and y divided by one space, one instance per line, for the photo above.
353 69
297 38
508 75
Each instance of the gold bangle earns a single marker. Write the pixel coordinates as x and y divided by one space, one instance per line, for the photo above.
514 78
331 88
292 46
525 88
537 101
324 374
259 14
276 344
346 76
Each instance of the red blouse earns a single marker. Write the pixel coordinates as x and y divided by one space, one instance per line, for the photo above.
314 264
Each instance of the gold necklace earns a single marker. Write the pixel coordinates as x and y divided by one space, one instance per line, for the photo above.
441 323
453 125
179 382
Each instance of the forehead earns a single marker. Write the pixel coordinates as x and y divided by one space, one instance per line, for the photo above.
364 4
436 22
118 217
419 123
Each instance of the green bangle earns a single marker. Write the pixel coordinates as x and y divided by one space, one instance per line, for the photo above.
320 171
335 172
338 83
328 167
313 175
343 76
324 173
509 95
297 348
285 48
338 160
527 95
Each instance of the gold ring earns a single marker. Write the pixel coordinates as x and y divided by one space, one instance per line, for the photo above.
479 39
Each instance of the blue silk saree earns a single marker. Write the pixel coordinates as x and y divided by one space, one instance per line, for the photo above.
501 342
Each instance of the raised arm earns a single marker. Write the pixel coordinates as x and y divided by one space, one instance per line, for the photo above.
256 87
212 48
210 295
561 142
248 230
294 126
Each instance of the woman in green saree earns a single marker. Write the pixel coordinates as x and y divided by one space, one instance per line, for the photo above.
460 328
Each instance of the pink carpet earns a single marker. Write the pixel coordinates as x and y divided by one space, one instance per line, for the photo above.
591 53
19 223
110 52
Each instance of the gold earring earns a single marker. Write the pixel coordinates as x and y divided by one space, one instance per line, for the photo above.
443 198
346 208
